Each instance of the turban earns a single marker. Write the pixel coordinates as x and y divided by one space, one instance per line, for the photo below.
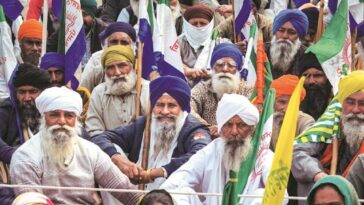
117 53
30 29
296 17
285 85
59 98
351 84
173 86
31 75
198 11
118 27
89 6
312 14
227 50
234 104
52 59
32 198
307 61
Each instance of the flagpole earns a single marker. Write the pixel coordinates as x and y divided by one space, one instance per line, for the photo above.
353 49
139 78
45 24
261 58
320 25
335 148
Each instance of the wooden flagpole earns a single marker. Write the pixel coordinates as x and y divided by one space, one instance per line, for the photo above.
320 24
139 78
353 49
335 151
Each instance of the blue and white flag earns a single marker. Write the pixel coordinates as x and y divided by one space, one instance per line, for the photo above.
299 3
12 8
356 13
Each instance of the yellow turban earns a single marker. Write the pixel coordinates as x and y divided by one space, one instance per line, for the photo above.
30 29
117 53
351 84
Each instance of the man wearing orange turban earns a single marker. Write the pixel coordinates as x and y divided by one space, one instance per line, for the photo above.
30 41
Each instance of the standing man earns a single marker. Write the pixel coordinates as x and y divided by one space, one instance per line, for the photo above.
175 135
58 156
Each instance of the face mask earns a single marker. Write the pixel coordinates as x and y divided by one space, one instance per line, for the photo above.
196 37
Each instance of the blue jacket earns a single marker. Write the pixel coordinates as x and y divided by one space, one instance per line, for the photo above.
192 137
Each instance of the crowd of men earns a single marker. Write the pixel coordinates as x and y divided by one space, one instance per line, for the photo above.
191 132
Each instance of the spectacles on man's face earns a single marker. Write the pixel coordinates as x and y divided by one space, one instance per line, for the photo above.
30 42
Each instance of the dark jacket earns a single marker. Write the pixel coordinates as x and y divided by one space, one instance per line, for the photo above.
130 137
111 9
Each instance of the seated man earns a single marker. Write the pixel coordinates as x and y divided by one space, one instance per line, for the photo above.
113 102
208 170
226 60
312 160
175 135
58 156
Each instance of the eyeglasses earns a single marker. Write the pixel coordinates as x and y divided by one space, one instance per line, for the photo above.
30 42
222 64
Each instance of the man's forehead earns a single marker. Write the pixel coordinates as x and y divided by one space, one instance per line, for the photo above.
32 39
50 69
119 34
166 98
288 25
26 87
59 111
312 70
356 96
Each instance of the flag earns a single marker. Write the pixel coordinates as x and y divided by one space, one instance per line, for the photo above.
170 61
260 147
71 40
279 172
148 35
299 3
356 13
12 8
333 50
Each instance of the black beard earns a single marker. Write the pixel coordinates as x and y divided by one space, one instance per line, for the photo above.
29 115
32 58
316 100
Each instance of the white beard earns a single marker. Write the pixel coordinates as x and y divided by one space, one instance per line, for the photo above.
236 151
119 85
59 145
165 133
353 130
282 52
225 83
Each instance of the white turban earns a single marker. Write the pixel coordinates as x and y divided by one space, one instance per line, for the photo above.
32 198
59 98
234 104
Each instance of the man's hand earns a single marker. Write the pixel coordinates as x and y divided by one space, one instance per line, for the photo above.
213 131
225 10
196 73
243 45
127 167
148 176
319 176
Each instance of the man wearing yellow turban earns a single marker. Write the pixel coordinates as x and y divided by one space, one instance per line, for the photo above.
30 41
113 101
312 160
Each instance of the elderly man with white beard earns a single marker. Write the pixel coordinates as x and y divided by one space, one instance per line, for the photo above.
175 135
208 170
312 160
113 101
285 48
58 156
226 61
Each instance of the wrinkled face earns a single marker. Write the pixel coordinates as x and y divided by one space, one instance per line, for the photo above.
57 76
119 38
198 22
30 50
60 117
327 195
26 94
281 103
287 31
236 128
118 68
314 77
225 65
166 109
354 104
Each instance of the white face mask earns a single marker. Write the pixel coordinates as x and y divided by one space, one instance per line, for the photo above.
196 37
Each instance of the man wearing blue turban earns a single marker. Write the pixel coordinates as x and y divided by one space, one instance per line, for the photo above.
54 63
175 135
289 28
226 62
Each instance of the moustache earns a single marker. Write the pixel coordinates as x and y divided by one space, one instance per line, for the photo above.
169 116
27 104
356 117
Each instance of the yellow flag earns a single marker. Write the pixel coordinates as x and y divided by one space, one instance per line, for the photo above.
279 172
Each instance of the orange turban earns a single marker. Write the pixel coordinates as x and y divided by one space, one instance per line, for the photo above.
285 85
30 29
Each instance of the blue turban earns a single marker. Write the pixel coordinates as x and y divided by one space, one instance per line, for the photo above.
52 59
118 27
173 86
227 50
296 17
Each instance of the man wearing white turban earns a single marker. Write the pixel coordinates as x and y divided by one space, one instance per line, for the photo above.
208 170
57 156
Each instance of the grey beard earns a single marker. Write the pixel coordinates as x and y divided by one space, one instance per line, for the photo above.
277 124
353 130
120 85
282 53
225 83
59 145
235 152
